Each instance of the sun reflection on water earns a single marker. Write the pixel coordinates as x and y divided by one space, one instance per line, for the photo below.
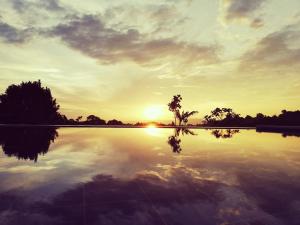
152 130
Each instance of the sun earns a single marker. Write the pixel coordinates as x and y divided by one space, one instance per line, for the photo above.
153 112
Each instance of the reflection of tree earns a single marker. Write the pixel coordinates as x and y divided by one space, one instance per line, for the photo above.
27 143
222 133
174 140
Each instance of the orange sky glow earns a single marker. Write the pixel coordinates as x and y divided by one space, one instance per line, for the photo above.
126 59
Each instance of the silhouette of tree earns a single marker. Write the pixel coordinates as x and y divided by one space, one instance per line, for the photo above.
94 120
184 116
26 142
28 102
78 119
221 116
114 122
175 105
227 117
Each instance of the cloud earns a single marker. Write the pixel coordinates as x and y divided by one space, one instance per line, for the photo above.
257 23
23 5
10 34
108 40
89 35
162 20
242 8
236 10
277 50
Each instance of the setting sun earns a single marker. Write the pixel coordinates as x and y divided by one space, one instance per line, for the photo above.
153 112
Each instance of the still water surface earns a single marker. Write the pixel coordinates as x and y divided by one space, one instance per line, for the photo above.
148 176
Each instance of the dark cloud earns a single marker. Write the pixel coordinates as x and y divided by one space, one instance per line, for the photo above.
89 35
98 37
10 34
276 50
24 5
241 9
52 5
257 23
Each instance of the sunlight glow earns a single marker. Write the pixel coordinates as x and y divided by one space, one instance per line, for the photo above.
153 112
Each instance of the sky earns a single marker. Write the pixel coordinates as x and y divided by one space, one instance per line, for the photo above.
125 59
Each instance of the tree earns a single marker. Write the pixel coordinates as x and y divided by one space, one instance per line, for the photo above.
184 116
217 113
221 116
78 119
175 105
95 120
28 102
114 122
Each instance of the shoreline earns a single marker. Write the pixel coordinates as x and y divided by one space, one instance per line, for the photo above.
258 128
120 126
123 126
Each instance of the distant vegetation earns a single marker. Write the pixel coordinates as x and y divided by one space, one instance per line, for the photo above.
31 103
227 117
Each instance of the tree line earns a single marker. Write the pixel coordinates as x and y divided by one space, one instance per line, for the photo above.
227 117
31 103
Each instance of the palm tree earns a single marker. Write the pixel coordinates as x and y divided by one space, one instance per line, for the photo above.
184 116
175 105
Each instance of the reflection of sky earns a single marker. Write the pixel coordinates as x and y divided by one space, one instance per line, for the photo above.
252 177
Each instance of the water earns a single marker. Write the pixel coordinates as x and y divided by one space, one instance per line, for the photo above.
148 176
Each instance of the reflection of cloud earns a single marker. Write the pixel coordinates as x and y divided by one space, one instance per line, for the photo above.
145 199
275 194
153 198
208 181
